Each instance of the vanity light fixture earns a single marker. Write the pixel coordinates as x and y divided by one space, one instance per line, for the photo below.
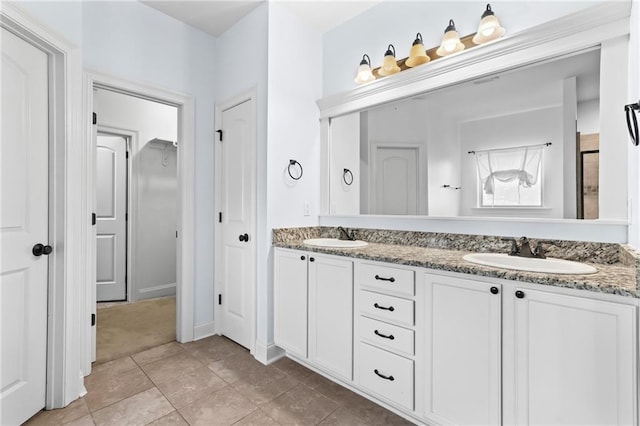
364 74
489 28
450 41
389 64
418 55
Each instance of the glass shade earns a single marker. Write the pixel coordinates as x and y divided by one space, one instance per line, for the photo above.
389 64
488 30
417 55
364 74
450 41
450 44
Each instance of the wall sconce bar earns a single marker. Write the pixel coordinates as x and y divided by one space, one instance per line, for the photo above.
466 40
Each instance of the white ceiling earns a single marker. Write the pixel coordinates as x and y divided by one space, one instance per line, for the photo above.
216 16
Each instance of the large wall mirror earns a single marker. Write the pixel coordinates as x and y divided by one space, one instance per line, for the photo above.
524 142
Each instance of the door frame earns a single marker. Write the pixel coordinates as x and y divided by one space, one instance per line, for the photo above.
249 95
185 264
67 196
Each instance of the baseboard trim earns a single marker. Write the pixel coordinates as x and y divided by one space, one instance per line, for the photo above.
204 330
267 354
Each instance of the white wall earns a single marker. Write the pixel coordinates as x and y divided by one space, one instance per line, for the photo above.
397 22
241 65
403 123
633 151
131 41
589 117
613 195
154 196
293 133
524 128
344 153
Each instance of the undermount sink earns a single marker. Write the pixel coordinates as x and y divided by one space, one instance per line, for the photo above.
335 243
548 265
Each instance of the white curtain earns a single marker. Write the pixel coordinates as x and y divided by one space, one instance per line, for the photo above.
506 165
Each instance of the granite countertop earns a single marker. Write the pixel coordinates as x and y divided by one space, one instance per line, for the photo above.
617 278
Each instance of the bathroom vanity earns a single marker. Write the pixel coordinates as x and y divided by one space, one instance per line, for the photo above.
440 340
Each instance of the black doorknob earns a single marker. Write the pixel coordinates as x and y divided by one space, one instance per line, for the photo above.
494 290
40 249
244 237
520 294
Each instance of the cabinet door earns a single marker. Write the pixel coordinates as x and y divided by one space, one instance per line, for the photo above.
574 361
462 347
331 314
290 301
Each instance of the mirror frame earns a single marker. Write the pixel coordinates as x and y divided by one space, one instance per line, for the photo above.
559 37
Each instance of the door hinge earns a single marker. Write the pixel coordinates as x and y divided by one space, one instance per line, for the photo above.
126 279
94 119
219 299
176 234
220 217
126 155
93 320
219 131
93 219
126 217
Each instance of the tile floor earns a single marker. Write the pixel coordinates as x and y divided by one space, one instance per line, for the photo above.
212 382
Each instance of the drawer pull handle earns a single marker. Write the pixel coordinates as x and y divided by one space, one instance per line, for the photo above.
384 308
390 378
379 278
390 337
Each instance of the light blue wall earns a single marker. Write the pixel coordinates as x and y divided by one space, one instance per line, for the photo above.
134 42
397 22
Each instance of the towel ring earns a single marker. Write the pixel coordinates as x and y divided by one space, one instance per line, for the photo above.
347 176
630 111
294 163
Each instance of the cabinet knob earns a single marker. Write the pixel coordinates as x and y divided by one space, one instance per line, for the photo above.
494 290
302 258
312 259
520 294
390 336
379 278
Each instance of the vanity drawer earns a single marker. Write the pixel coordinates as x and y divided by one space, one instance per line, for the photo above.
386 374
388 336
388 279
387 308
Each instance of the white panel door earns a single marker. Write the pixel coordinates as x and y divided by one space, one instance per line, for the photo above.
111 210
24 152
238 223
331 314
290 301
574 361
395 179
463 347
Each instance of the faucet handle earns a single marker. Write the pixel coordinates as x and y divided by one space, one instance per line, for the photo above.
514 246
539 251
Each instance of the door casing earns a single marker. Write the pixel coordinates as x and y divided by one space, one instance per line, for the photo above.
186 204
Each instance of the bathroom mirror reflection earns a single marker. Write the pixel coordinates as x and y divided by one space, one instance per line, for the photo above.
422 156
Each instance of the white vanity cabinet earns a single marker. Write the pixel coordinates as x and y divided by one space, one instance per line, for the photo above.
331 314
569 360
290 301
462 338
385 332
313 309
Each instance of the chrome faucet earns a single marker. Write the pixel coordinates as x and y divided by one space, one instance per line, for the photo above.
524 250
344 235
